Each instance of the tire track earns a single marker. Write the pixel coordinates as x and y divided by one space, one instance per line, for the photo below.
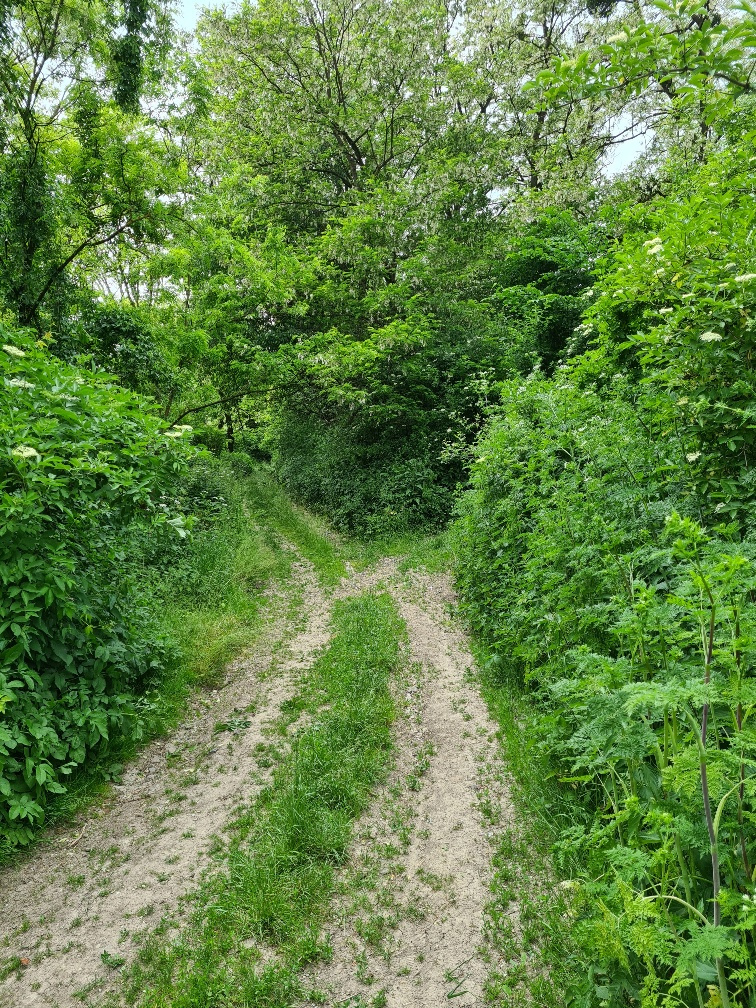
434 892
121 866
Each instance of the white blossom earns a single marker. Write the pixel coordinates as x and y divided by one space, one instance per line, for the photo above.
692 456
710 337
14 351
25 451
177 431
19 383
665 311
619 37
745 277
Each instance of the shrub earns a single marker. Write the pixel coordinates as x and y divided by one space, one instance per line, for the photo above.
582 564
607 555
375 431
80 463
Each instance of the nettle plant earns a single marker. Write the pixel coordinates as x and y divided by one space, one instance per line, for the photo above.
606 552
659 732
635 628
81 461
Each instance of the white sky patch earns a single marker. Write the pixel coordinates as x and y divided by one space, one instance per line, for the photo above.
187 14
620 156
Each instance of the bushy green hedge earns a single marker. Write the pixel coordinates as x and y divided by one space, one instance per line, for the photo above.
81 461
374 430
606 553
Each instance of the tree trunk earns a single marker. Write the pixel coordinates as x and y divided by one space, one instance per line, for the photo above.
230 439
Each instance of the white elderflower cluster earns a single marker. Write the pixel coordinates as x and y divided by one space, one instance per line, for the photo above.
13 351
19 383
177 431
710 337
25 451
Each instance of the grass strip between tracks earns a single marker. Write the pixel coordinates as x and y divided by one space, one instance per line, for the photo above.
256 920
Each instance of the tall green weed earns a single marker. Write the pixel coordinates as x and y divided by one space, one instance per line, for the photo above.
81 462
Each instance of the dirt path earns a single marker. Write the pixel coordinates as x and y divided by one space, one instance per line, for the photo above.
121 867
408 923
411 920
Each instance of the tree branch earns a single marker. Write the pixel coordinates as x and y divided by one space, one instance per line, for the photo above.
196 409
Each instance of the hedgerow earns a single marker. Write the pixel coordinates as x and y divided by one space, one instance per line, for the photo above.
607 557
81 462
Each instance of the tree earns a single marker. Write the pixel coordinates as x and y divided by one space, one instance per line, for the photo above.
77 169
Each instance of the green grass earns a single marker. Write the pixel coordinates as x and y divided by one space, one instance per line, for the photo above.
544 960
227 619
270 504
413 550
212 609
274 878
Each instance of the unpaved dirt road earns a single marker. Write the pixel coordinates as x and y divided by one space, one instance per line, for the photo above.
409 917
428 834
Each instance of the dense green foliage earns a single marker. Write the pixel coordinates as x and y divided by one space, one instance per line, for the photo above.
607 555
378 247
83 462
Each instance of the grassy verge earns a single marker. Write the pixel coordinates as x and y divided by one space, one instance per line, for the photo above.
256 919
544 965
270 504
213 609
209 597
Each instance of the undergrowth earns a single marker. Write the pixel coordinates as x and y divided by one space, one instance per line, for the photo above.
207 591
256 918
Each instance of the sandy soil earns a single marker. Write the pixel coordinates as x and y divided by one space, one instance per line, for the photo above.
122 866
420 865
445 796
